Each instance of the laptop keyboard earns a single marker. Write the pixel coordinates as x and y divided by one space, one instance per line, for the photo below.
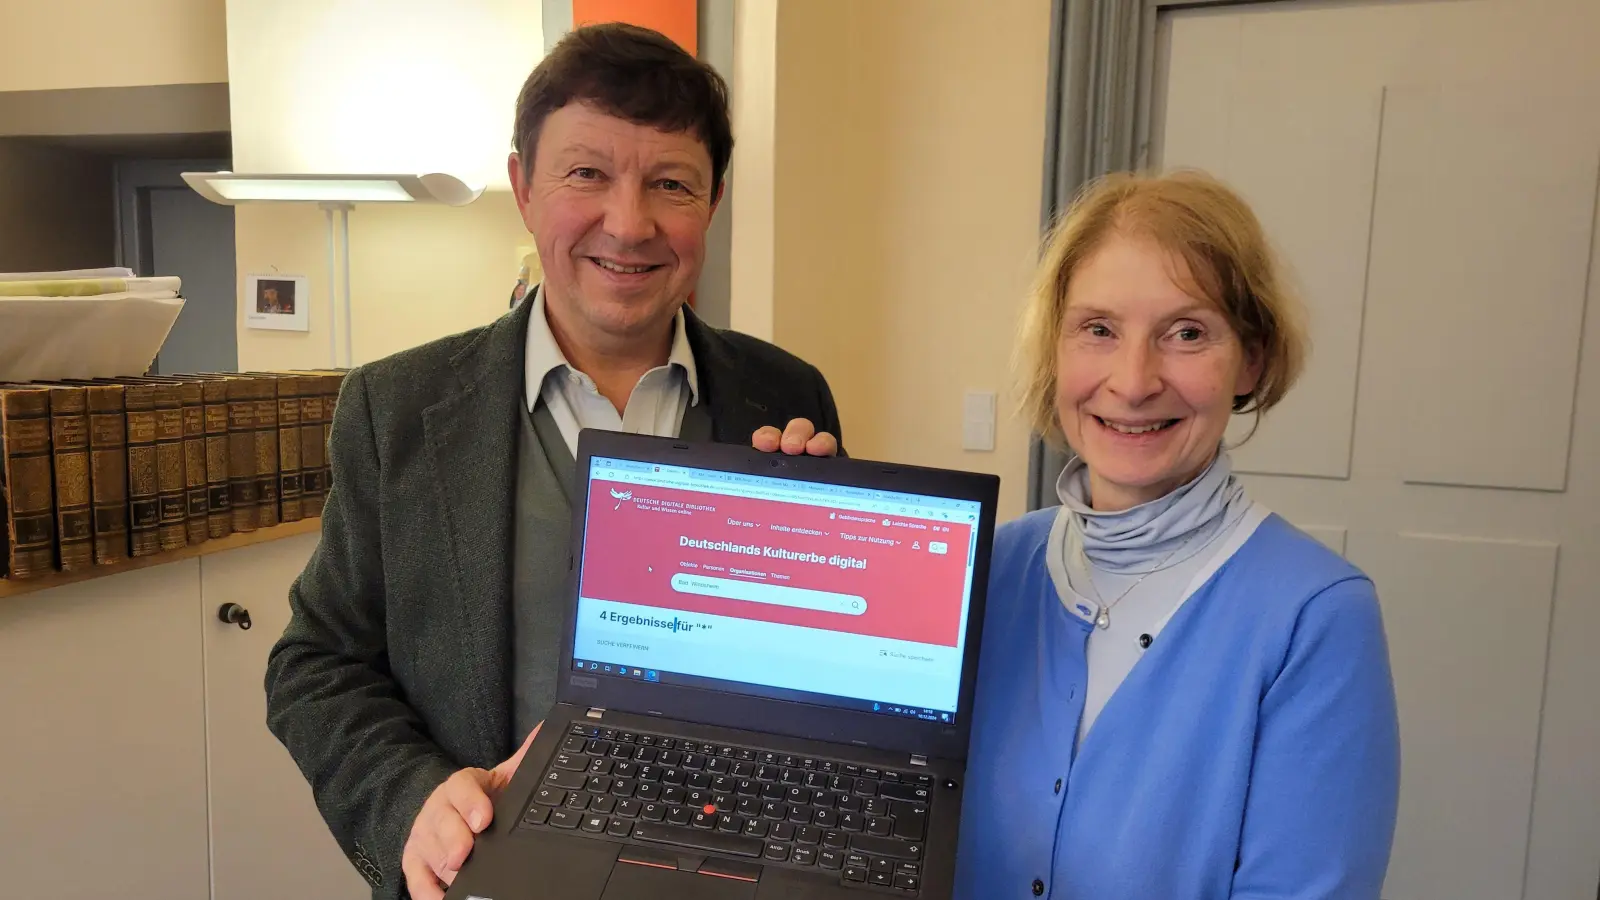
866 824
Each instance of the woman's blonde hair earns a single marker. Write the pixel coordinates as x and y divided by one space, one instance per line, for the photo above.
1201 221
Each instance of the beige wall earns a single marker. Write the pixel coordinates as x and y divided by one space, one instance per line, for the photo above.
56 208
56 44
908 171
324 86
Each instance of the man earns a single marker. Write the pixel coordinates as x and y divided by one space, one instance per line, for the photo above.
427 625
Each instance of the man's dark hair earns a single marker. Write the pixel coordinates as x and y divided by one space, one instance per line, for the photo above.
632 73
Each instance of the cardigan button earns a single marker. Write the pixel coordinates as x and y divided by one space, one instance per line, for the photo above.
1058 785
1144 641
1038 888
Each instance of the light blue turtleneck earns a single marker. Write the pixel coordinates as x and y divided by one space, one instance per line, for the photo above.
1143 562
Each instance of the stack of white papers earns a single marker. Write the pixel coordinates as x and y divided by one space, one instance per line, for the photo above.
89 323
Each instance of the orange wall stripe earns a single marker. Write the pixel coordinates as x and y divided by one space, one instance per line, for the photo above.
676 19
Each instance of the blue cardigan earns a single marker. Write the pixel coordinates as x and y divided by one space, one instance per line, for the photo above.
1253 752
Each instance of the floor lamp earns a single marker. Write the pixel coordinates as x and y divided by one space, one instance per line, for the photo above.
333 194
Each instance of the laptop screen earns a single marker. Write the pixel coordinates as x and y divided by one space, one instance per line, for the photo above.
773 587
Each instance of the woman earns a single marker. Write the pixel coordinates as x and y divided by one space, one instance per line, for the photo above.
1180 695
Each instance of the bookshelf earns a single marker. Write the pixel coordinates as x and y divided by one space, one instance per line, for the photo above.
16 587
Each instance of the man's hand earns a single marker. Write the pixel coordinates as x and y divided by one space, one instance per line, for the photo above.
800 437
453 814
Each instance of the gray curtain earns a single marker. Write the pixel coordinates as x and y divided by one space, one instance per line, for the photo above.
1095 86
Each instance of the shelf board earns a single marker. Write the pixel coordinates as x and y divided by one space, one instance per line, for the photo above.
16 587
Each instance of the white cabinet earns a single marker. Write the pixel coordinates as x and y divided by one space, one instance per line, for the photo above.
135 759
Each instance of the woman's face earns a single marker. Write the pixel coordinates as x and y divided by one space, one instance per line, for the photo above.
1146 373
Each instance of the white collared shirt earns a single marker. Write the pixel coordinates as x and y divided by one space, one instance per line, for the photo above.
655 406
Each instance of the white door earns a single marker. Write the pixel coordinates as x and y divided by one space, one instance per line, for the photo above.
1430 171
267 839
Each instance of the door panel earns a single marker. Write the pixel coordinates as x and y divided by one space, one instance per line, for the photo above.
193 238
104 791
1430 171
267 839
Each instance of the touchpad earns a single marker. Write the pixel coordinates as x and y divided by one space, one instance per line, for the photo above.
630 881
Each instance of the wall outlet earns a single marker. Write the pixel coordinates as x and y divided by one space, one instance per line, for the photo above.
977 421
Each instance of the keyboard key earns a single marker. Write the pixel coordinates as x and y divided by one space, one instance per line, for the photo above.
568 762
924 779
851 822
697 798
914 792
703 819
792 776
857 861
629 808
826 818
600 784
670 758
624 787
815 780
866 787
872 773
550 795
798 795
769 773
908 868
842 783
774 809
769 759
876 806
679 816
835 840
788 762
877 846
880 827
694 762
649 773
852 770
600 766
646 754
882 879
674 776
578 800
808 764
653 812
800 815
808 834
882 865
907 882
724 801
744 769
783 831
648 740
595 824
599 748
832 768
620 828
648 792
849 803
565 818
574 744
891 776
629 738
730 823
707 841
720 766
626 770
724 784
699 780
776 852
603 805
910 822
744 754
673 795
579 729
608 734
757 828
747 787
749 807
830 859
622 751
853 873
536 815
804 856
666 743
726 751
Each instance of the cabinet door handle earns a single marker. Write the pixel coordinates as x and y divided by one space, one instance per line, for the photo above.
234 614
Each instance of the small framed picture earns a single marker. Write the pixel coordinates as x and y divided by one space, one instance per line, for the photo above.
277 302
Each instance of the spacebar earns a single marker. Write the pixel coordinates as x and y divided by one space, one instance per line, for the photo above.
709 841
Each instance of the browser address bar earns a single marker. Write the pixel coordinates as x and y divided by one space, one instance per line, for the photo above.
771 594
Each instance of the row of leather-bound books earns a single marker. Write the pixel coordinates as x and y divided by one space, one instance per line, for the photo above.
95 471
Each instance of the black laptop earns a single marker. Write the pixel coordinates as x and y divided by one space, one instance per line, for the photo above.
769 666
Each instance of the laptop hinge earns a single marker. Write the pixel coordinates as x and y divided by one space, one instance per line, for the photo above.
595 712
918 759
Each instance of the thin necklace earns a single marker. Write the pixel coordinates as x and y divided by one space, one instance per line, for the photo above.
1102 619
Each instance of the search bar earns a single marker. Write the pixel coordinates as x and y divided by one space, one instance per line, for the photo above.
771 594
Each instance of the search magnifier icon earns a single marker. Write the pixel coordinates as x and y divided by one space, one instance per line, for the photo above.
855 604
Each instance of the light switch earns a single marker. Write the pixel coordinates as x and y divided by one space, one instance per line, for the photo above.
977 421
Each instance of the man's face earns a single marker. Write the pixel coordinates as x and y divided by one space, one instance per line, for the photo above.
619 212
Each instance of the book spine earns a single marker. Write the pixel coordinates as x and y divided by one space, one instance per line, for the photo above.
219 518
108 472
171 481
242 454
311 448
266 395
291 486
198 511
144 493
25 482
69 440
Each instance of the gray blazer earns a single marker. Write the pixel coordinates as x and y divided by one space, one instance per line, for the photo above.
394 670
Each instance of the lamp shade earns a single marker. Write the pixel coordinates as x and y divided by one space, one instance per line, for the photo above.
230 188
